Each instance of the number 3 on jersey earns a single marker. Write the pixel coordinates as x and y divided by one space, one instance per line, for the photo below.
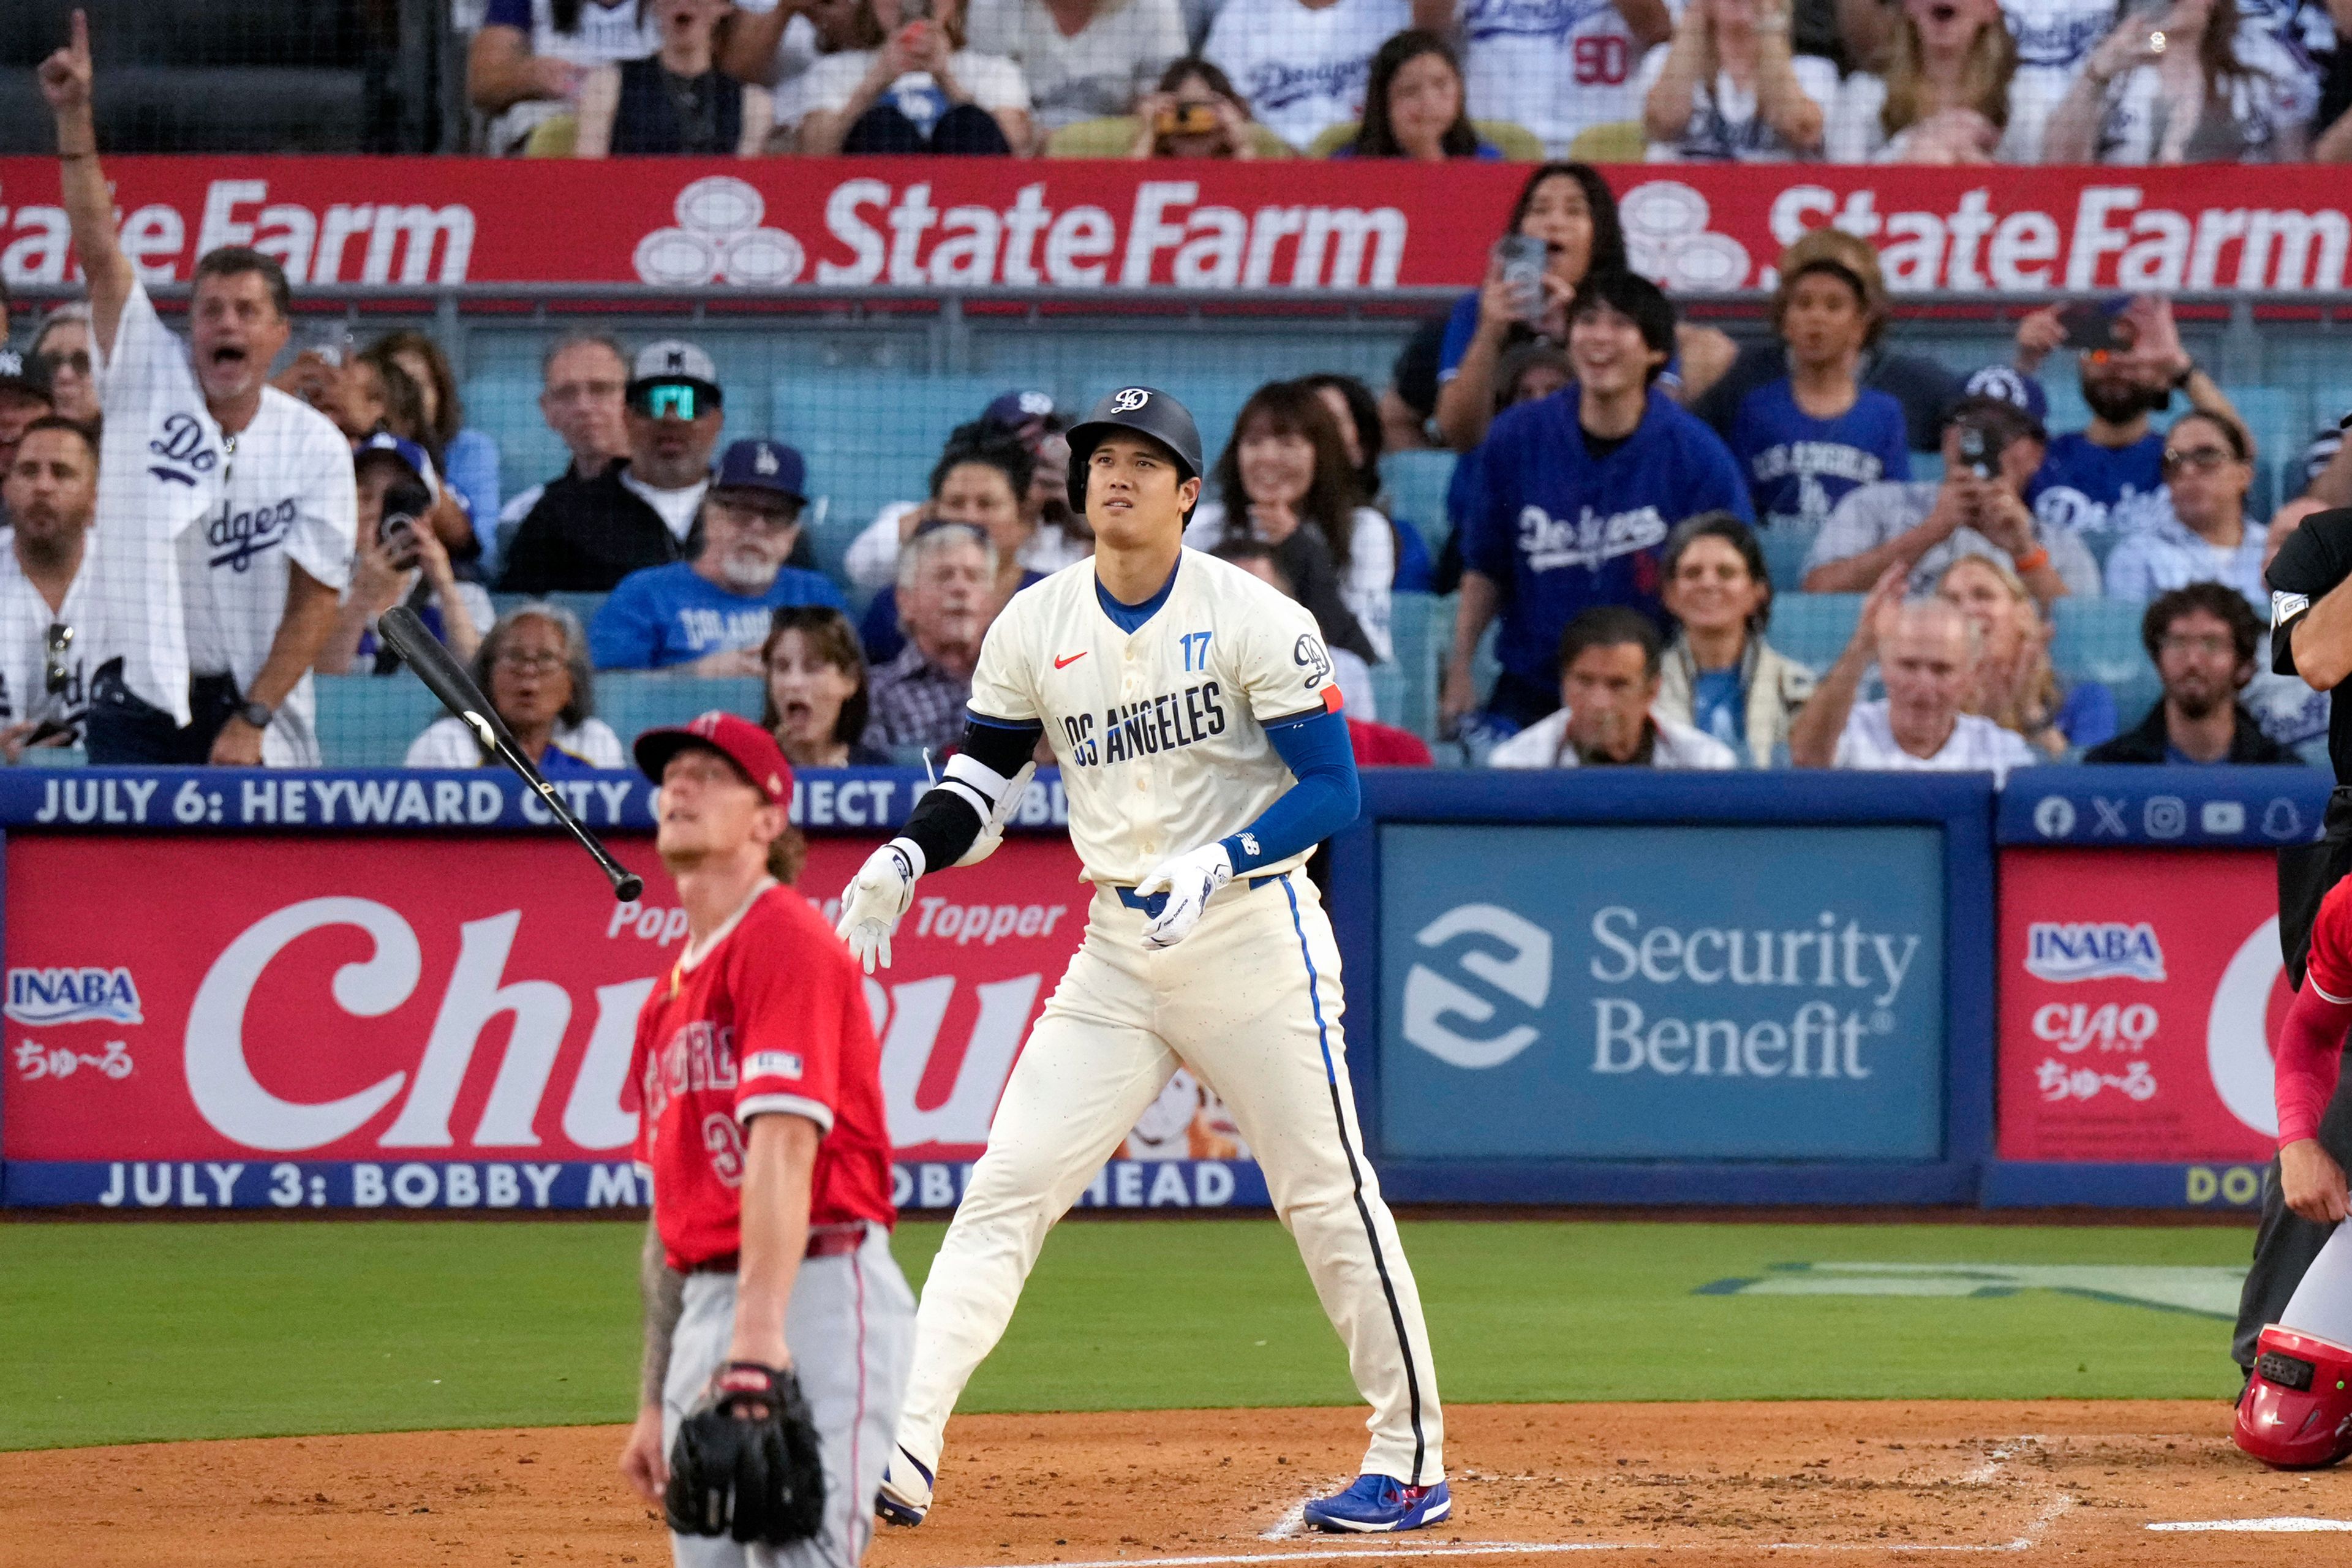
1196 650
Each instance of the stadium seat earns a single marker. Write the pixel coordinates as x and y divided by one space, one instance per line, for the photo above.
1786 546
368 720
1619 141
2097 639
552 136
583 606
632 702
870 438
1813 628
1417 483
1421 629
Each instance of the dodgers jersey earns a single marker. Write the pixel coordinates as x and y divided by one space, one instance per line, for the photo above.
1800 467
1558 530
1161 733
26 628
1556 67
201 529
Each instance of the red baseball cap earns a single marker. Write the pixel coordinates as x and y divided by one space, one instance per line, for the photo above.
736 737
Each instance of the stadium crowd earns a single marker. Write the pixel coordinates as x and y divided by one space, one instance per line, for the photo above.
1923 81
1620 473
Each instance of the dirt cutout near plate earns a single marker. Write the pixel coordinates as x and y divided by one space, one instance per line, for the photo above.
1691 1486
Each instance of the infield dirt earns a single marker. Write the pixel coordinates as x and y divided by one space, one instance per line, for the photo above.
1690 1484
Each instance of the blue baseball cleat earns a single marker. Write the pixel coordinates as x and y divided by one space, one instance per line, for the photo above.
903 1501
1378 1503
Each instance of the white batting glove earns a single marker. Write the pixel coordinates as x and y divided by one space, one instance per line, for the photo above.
1190 880
876 898
992 832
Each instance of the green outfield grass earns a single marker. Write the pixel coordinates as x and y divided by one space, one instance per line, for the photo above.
122 1332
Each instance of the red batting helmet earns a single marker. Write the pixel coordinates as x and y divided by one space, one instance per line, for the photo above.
2296 1411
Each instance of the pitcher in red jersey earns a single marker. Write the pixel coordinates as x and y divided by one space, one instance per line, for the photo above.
760 1123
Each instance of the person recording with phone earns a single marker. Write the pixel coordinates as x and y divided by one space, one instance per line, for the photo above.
400 560
1992 447
911 86
584 536
1194 113
2132 364
2184 83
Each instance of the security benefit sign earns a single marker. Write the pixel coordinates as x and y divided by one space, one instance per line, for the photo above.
1695 993
2140 990
437 1022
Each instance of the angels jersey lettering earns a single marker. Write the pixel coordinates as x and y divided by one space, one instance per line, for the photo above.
1161 733
769 1015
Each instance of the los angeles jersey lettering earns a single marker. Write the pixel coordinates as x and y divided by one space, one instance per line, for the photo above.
769 1017
1161 733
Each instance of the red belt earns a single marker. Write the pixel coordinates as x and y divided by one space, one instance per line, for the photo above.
825 1241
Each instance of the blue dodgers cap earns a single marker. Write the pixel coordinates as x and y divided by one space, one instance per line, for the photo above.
383 443
2014 386
762 465
1013 410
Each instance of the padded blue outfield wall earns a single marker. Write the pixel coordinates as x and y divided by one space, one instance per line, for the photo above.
1572 987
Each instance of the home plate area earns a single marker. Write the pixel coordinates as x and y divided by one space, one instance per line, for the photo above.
2097 1482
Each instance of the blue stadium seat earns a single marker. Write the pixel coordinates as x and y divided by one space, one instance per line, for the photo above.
368 720
1417 483
870 438
1813 628
1786 546
1421 629
2098 639
633 702
583 606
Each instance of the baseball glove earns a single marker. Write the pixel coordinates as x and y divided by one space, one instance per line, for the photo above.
746 1462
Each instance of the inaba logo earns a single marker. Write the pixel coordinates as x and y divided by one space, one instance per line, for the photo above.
48 996
2103 949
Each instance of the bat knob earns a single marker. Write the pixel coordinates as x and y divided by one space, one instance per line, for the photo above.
627 887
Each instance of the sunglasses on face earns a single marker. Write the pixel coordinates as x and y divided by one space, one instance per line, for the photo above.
2202 459
674 400
76 360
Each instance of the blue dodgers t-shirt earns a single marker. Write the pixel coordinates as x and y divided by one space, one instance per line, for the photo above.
1560 531
2079 482
1799 467
668 616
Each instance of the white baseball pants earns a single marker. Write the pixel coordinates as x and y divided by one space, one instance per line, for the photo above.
1251 1002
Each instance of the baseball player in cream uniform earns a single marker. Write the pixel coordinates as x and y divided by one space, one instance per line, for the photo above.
1202 746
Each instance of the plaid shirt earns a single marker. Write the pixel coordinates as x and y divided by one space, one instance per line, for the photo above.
917 703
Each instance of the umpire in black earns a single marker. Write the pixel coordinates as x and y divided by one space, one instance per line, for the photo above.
2310 637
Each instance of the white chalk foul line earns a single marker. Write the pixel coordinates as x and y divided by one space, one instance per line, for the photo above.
2289 1526
2001 1455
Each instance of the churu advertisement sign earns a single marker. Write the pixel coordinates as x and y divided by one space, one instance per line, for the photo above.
1662 992
215 1021
2140 993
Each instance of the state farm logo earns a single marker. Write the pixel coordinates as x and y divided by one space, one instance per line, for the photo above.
1666 239
719 240
50 997
2094 950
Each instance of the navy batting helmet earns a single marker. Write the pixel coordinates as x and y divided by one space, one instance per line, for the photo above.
1146 411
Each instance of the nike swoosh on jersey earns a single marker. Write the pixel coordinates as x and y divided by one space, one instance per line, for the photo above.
1059 661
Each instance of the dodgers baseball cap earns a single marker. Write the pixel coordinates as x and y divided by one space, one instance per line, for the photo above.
762 465
383 445
19 380
1013 410
2011 386
732 736
673 362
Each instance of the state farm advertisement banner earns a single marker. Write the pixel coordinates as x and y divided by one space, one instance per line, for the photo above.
447 1023
970 222
2140 995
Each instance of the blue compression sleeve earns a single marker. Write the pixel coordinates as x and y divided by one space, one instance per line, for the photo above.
1320 804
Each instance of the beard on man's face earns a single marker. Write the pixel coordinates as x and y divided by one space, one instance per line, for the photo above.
2119 402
